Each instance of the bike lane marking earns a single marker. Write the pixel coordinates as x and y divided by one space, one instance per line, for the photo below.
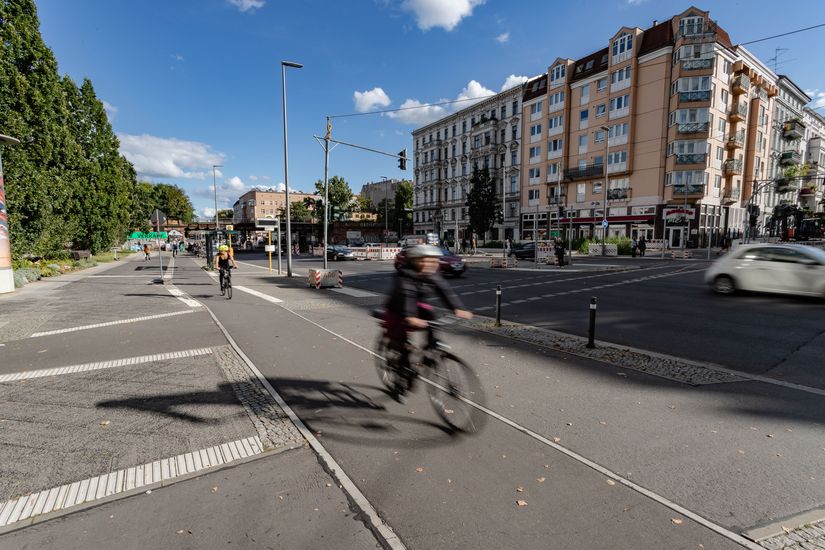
257 294
110 323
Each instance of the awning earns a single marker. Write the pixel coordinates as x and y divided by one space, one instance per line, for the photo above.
611 219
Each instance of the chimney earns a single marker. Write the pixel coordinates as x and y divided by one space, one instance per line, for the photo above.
655 22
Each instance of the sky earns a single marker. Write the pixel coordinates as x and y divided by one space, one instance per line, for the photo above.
193 83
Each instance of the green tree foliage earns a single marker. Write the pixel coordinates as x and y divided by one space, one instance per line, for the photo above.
225 214
340 197
364 204
299 211
482 206
174 202
66 183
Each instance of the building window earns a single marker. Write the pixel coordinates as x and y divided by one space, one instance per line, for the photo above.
621 102
535 152
691 25
534 194
486 138
581 191
717 182
582 143
555 122
503 111
599 136
685 116
585 94
476 142
691 84
617 157
558 73
464 169
534 173
601 84
600 109
622 44
513 158
556 98
556 145
583 115
463 126
515 107
535 108
535 130
618 130
513 184
620 75
514 132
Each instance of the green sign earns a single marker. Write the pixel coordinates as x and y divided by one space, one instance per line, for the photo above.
555 233
150 235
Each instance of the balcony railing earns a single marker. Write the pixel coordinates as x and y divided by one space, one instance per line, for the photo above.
732 193
696 64
696 32
692 127
737 139
692 158
618 194
740 84
485 120
697 95
793 129
733 167
589 171
688 188
790 157
740 112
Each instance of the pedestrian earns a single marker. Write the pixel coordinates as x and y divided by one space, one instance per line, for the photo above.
507 246
146 250
560 252
474 245
642 245
464 245
634 244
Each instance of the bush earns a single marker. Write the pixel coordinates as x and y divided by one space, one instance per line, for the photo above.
493 244
623 245
19 279
30 273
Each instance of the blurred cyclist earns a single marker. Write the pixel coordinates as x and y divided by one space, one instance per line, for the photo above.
225 262
408 308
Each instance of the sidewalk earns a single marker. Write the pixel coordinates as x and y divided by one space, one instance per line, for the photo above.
112 386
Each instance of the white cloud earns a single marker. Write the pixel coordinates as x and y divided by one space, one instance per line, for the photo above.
418 116
817 99
636 2
440 13
503 37
169 157
247 5
235 183
513 81
111 110
266 178
208 212
370 99
280 187
253 178
177 57
472 91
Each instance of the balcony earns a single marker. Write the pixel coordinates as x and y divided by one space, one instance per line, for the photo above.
616 167
739 113
731 194
589 171
692 158
692 127
789 158
740 85
696 33
619 194
793 129
733 167
554 154
807 192
737 140
688 189
697 95
697 64
619 113
484 121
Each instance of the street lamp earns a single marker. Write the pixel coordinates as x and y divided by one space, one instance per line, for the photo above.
6 273
284 65
386 205
215 188
604 190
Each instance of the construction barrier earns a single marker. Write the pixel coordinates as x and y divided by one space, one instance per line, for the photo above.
325 278
595 249
681 254
390 252
498 261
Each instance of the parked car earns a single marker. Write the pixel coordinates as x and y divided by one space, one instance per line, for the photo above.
524 251
777 268
448 264
338 252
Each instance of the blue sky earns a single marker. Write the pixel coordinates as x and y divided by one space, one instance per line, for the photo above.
191 83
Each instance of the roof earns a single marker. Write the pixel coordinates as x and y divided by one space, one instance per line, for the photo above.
535 87
590 65
656 37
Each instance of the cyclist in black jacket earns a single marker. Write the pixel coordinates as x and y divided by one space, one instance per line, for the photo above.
408 306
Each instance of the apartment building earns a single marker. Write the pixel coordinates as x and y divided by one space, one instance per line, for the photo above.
663 124
257 203
377 191
485 135
814 200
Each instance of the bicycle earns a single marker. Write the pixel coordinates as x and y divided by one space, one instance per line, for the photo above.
226 283
451 383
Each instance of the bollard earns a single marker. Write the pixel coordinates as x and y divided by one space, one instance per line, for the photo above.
591 331
498 305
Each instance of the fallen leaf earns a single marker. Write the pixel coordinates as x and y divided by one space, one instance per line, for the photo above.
449 480
569 423
521 502
316 509
419 470
105 423
149 492
786 529
520 489
546 465
503 456
603 423
214 489
777 454
540 479
448 411
112 516
329 484
556 439
769 435
611 482
280 497
677 521
621 374
180 531
740 451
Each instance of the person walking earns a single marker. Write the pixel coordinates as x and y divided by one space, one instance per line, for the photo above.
634 244
560 252
463 245
642 245
146 250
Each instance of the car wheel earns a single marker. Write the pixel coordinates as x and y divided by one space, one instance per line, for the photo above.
724 284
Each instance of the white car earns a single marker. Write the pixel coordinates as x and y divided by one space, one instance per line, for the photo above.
779 268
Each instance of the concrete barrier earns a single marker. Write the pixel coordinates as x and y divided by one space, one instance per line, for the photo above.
325 278
498 261
595 249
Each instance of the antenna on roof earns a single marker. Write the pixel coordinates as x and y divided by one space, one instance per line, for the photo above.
775 58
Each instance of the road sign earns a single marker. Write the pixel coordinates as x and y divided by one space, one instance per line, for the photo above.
269 248
230 227
158 218
604 224
268 224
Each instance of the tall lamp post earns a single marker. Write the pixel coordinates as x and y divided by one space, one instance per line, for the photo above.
6 273
604 190
386 208
284 65
215 189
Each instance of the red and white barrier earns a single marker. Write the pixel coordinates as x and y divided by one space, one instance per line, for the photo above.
325 278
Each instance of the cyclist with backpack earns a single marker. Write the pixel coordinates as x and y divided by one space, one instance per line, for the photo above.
225 262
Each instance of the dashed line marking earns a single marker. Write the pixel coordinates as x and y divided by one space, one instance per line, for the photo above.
110 323
260 295
180 295
99 365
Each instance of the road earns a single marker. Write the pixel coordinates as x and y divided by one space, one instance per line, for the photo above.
657 305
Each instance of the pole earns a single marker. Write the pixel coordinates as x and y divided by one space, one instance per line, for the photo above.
498 305
284 65
455 241
591 330
269 245
215 189
687 223
664 233
157 240
606 181
279 247
326 189
536 237
386 208
503 210
6 270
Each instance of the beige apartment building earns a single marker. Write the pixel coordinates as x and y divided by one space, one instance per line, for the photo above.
679 117
258 203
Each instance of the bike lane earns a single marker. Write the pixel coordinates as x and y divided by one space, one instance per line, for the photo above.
435 489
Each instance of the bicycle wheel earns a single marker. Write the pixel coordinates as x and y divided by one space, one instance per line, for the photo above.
385 359
450 384
229 289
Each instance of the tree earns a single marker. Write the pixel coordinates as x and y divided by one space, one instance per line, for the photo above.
403 203
298 212
226 214
364 204
174 202
340 197
482 206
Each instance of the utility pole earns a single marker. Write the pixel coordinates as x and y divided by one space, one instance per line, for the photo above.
284 65
326 187
606 180
386 208
215 188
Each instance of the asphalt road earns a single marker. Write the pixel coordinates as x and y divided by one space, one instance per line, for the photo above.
657 305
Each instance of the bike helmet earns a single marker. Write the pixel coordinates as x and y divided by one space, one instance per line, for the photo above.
223 248
424 251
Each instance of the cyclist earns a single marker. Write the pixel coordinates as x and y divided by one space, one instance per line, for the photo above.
225 262
408 307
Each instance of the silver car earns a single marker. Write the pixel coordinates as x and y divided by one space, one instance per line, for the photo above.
779 268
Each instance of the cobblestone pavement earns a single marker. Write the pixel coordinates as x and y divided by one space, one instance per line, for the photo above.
810 537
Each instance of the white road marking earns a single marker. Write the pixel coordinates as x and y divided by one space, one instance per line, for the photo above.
110 323
156 473
260 295
180 295
118 276
354 292
86 367
575 456
375 523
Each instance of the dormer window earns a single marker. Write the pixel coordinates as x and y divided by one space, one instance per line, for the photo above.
691 25
558 73
623 44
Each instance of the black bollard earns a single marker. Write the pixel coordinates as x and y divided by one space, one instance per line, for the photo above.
591 331
498 305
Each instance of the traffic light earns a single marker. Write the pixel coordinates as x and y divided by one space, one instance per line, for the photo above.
561 211
402 160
